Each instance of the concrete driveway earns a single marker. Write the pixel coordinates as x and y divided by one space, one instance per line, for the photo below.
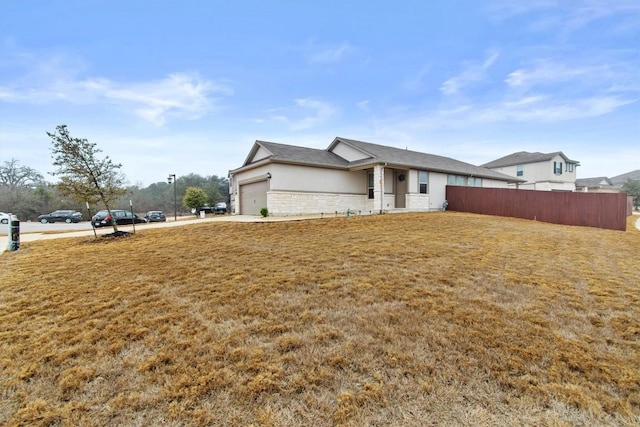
182 221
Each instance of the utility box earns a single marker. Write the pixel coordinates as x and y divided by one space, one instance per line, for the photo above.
13 243
202 214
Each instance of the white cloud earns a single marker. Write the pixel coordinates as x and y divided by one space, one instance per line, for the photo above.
473 72
301 119
184 96
328 55
363 105
550 72
565 16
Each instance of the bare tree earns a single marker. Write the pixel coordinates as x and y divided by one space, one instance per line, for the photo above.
13 175
83 176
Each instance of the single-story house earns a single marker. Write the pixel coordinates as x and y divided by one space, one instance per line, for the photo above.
349 175
539 171
600 184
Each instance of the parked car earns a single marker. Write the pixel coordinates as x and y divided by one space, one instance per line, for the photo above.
67 216
4 218
205 209
102 218
220 208
155 216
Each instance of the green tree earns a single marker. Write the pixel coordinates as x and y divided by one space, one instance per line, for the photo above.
83 176
194 198
632 188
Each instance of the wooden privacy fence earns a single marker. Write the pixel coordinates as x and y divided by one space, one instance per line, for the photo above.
603 210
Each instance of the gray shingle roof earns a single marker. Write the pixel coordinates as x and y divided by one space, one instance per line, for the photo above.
417 160
378 154
303 155
593 182
524 157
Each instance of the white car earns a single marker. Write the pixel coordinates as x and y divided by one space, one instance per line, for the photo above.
4 218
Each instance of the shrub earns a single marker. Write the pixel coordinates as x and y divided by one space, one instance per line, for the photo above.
264 212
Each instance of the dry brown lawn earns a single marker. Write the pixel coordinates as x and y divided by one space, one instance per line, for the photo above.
392 320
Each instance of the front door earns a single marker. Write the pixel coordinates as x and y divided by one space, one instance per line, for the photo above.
401 189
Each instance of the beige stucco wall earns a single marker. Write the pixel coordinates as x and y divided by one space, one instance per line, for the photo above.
314 179
262 153
540 176
348 153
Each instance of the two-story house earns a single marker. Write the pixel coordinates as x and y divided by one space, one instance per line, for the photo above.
541 171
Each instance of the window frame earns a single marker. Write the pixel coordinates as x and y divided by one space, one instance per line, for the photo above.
422 173
370 185
557 168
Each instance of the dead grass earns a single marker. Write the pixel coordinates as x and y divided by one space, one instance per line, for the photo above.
413 319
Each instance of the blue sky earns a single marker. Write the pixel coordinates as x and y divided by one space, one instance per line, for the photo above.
188 86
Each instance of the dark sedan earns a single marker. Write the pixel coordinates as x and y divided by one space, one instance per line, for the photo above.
155 216
102 218
67 216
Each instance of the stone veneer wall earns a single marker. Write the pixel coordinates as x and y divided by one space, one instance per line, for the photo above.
282 203
419 202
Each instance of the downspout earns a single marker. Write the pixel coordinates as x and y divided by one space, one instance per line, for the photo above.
382 187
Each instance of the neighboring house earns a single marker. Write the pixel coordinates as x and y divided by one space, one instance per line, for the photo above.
349 175
596 185
540 171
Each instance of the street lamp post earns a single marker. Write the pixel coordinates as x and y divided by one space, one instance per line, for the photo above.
172 177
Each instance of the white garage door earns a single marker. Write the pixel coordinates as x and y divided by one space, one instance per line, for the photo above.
253 197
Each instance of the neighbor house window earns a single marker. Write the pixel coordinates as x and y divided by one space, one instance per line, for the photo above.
519 170
370 184
557 168
423 182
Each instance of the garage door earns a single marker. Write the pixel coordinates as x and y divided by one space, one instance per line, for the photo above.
253 197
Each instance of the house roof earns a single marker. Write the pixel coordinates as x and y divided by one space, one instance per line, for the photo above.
375 154
524 157
295 154
417 160
597 182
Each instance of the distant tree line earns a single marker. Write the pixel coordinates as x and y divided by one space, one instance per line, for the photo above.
25 193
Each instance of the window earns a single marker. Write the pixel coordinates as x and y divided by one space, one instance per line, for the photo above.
370 184
569 167
464 181
557 168
519 170
423 182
